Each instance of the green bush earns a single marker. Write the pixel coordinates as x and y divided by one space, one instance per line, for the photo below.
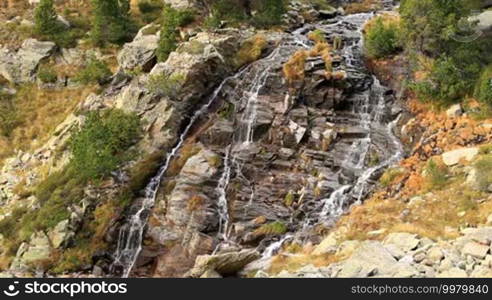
111 22
450 79
47 75
150 9
235 12
437 175
431 26
382 39
270 13
95 71
171 20
166 85
47 26
483 89
101 144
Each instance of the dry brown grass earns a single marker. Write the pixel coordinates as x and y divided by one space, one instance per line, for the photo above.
362 7
40 112
294 68
292 263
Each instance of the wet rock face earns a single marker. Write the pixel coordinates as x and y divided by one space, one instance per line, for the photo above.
283 151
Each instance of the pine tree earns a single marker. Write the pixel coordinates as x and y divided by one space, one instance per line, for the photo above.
111 22
45 18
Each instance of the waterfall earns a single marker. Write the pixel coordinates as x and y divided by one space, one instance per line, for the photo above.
131 233
369 108
222 203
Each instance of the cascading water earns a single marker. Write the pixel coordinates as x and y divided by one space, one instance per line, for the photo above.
369 110
131 234
368 114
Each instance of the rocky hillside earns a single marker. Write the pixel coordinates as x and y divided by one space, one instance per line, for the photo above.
189 139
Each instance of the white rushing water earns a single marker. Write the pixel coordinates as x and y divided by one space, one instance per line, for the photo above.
369 106
131 234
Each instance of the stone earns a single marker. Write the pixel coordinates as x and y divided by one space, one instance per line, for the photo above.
435 255
395 251
453 273
369 259
475 250
140 53
297 130
404 241
452 158
454 111
38 249
60 234
211 274
347 248
224 264
328 245
484 21
489 220
21 66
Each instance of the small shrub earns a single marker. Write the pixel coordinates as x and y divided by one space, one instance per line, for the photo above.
150 9
317 36
111 22
289 199
390 175
437 175
483 88
294 68
269 13
250 50
171 20
101 144
382 39
166 85
95 71
47 75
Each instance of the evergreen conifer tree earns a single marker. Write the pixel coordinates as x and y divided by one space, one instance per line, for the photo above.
45 19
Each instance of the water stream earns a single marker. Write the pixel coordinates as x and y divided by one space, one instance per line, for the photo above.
368 111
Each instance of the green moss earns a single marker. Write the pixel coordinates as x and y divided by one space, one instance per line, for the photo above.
289 199
273 228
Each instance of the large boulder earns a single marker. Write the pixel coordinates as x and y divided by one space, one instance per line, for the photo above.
484 21
452 158
371 258
404 241
37 250
21 66
141 52
224 264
